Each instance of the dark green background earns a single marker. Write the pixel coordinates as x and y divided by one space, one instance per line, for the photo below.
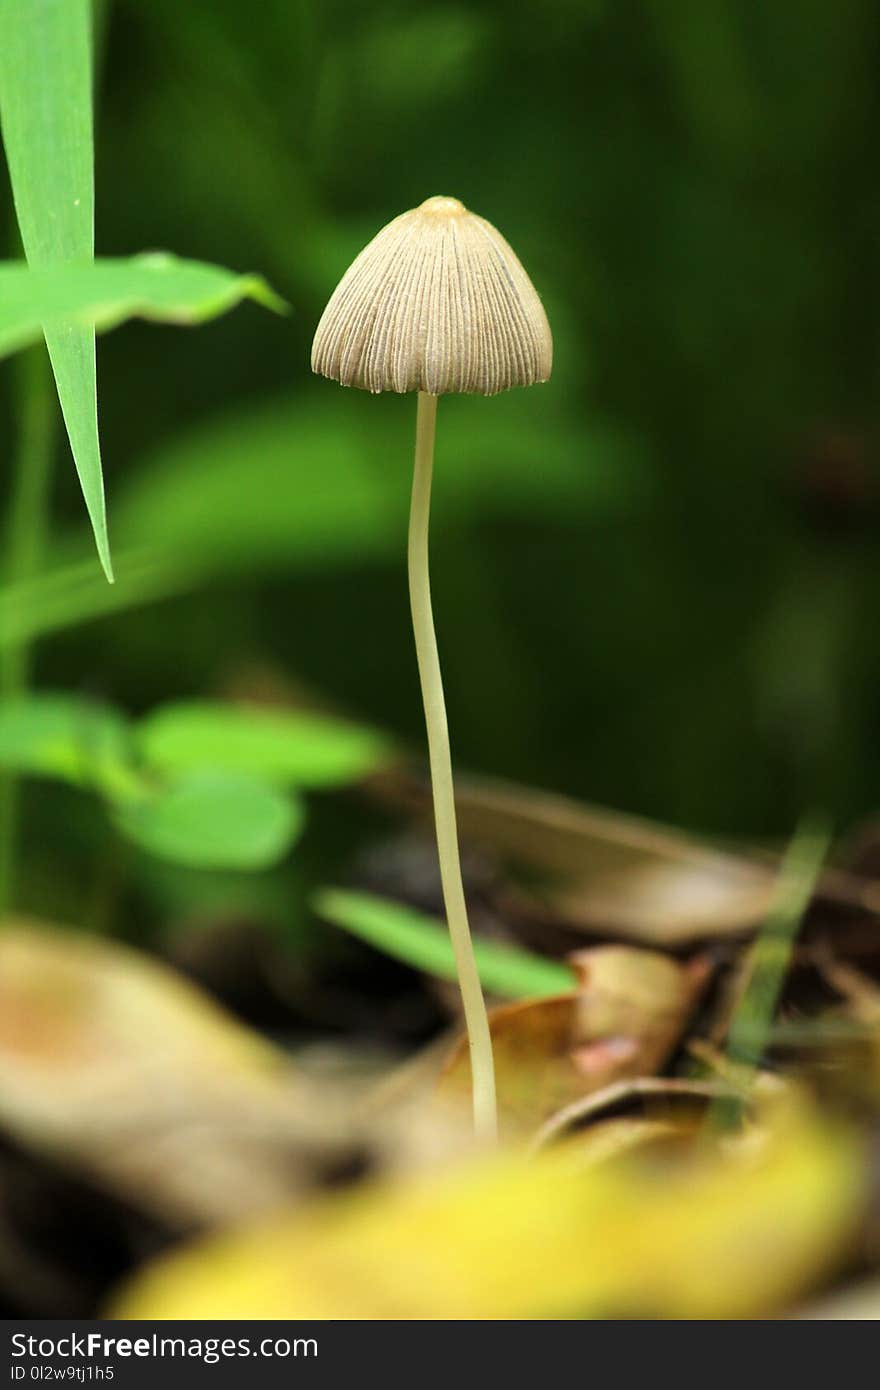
670 604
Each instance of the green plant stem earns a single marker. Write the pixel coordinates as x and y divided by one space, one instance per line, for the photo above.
476 1020
25 541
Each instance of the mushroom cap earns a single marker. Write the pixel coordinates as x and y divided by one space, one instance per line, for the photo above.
436 302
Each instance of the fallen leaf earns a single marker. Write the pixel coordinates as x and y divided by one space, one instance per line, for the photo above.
600 870
604 871
722 1236
847 1039
118 1066
673 1101
859 1303
624 1021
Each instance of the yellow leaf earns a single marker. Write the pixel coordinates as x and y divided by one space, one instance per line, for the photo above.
723 1236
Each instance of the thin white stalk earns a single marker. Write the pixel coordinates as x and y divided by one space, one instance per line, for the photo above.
476 1021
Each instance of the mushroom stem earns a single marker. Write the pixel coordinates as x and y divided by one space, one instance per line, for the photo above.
427 656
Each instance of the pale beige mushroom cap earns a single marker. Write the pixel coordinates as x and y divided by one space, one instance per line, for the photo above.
436 302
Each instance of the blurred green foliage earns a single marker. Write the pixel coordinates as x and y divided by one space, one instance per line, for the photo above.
106 293
655 578
206 785
425 944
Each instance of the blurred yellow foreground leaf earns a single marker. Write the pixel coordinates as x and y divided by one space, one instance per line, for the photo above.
719 1236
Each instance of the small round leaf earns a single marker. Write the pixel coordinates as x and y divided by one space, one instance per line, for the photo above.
213 820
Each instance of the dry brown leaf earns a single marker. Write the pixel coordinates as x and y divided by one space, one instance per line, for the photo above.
112 1062
861 993
859 1303
846 1045
606 872
619 1138
665 1101
624 1021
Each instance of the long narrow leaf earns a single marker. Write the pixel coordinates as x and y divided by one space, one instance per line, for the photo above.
424 943
771 954
768 962
46 115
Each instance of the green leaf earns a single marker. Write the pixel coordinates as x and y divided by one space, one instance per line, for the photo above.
212 820
770 956
63 736
768 962
321 481
303 749
155 286
323 478
424 943
291 482
46 117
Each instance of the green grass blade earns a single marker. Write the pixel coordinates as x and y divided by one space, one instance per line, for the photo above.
768 963
423 942
25 536
72 594
771 953
157 286
46 117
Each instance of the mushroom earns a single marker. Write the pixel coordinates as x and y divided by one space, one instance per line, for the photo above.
438 302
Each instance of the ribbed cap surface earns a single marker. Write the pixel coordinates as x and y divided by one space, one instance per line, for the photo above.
436 302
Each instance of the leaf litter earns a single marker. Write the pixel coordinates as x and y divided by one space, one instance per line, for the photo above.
614 1189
